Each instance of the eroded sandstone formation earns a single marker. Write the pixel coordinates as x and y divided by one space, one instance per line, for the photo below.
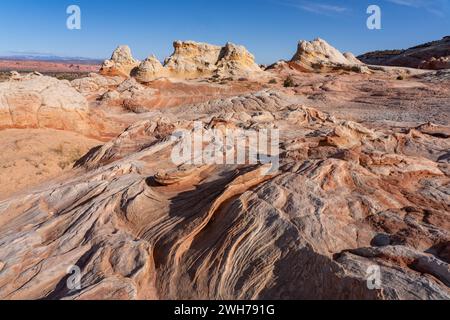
317 55
190 60
120 64
150 69
36 101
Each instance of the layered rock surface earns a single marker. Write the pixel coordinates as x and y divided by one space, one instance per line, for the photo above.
346 198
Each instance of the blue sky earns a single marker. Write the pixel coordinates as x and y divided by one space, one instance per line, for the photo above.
268 28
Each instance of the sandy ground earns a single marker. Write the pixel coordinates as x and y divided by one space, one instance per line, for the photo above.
47 66
32 156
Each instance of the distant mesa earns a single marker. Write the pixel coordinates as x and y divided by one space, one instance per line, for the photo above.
433 55
190 60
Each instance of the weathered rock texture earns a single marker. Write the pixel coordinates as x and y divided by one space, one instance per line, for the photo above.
432 55
36 101
346 198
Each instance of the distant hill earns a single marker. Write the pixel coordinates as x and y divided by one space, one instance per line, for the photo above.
431 55
50 58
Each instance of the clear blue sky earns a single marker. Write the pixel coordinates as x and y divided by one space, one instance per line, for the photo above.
268 28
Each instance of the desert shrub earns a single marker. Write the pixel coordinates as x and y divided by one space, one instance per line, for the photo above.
400 78
356 69
317 66
272 81
289 82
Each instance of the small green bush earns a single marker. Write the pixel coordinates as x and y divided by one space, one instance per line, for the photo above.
289 82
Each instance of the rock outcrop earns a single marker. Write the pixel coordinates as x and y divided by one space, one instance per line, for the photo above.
121 63
236 61
95 84
436 63
36 101
318 55
192 60
149 70
432 55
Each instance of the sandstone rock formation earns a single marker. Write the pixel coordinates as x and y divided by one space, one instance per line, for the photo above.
318 54
120 64
420 56
150 69
36 101
346 198
190 60
236 61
